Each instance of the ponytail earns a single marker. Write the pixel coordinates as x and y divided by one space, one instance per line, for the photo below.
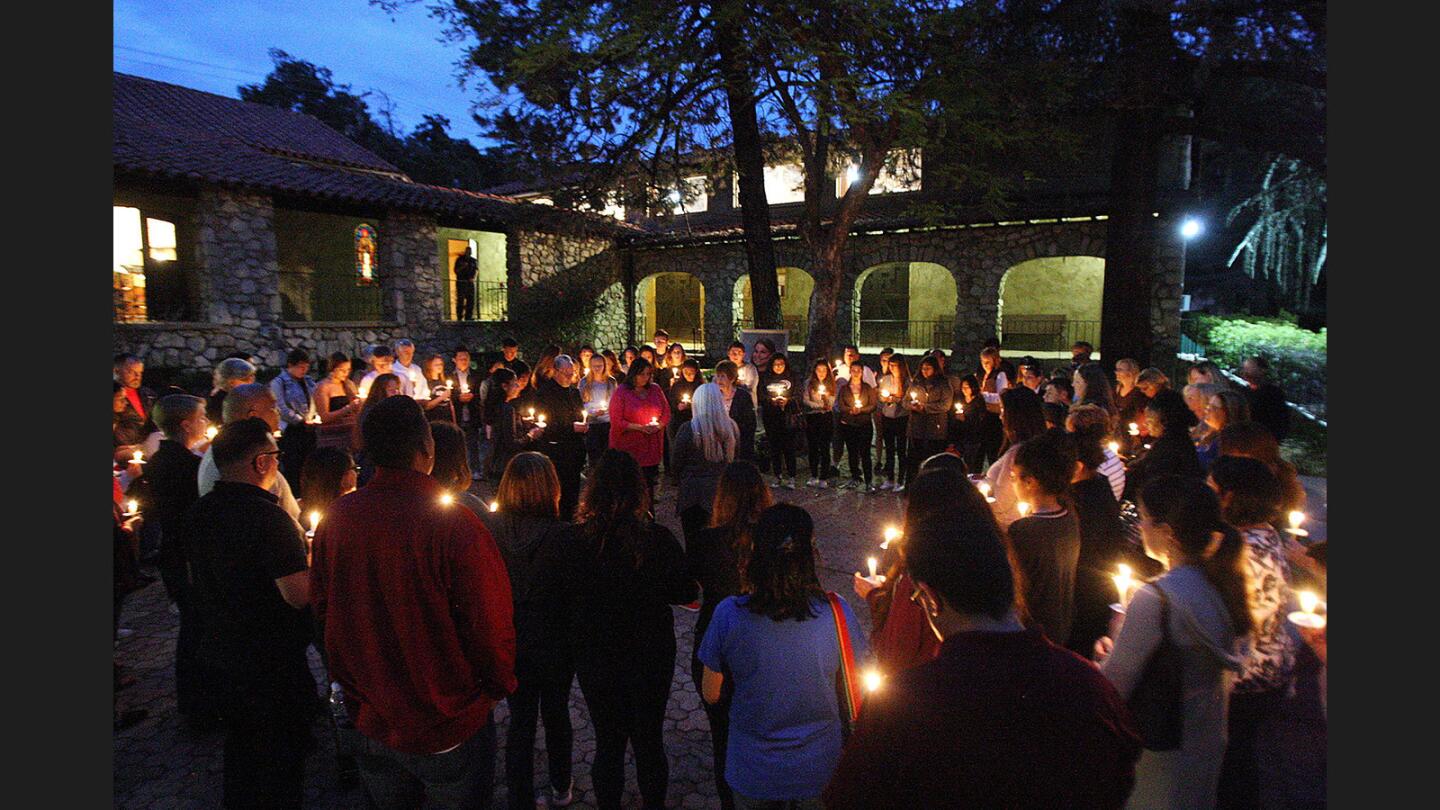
1192 511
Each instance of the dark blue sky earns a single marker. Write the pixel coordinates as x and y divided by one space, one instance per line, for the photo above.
217 45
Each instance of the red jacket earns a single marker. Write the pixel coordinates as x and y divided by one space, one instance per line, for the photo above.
905 640
416 611
629 407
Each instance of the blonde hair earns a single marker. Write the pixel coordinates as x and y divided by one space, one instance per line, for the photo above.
715 432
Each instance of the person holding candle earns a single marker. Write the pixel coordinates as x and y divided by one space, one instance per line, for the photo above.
337 402
530 535
715 558
1102 537
928 401
819 401
561 441
452 468
1250 498
406 367
510 352
854 408
1093 388
1254 440
680 395
596 390
250 400
1021 420
1168 420
1002 717
229 373
382 388
382 361
894 420
329 472
132 421
1197 399
1094 423
622 574
727 377
465 380
292 389
439 404
639 413
745 373
1045 544
703 448
1129 400
777 406
251 584
1205 595
777 649
1151 382
993 380
417 614
510 432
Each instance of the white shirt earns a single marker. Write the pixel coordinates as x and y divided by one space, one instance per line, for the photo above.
209 474
407 386
1114 469
750 378
419 389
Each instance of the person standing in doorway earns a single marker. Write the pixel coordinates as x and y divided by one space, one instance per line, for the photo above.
465 286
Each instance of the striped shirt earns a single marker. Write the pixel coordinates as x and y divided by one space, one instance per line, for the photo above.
1114 469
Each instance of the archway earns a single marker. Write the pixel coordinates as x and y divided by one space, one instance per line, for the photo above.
674 302
795 288
1047 304
904 305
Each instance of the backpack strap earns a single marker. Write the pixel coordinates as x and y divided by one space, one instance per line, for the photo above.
850 692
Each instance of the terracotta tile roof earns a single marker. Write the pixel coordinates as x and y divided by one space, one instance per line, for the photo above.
175 132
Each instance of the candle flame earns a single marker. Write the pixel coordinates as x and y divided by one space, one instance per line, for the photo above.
1134 428
1023 507
1309 601
133 506
892 533
314 519
984 487
1296 518
1122 582
1114 447
872 679
137 456
446 499
494 506
211 432
873 563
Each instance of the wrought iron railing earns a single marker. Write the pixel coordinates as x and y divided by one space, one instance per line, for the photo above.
328 297
492 301
1054 333
905 334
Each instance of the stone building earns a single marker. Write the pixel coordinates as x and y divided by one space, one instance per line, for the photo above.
241 227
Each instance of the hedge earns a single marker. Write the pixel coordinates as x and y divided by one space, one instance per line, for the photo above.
1297 356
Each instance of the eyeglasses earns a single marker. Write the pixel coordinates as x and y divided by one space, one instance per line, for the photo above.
278 454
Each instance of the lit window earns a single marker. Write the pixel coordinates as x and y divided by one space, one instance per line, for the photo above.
691 198
900 173
783 184
162 240
365 255
129 247
612 208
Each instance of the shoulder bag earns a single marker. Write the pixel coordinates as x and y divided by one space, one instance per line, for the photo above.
847 679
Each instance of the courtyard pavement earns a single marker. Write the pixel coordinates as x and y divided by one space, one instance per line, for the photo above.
159 763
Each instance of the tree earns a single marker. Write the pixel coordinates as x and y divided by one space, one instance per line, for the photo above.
427 155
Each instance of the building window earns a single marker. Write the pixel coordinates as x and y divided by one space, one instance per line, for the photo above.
900 173
784 183
329 266
490 301
690 198
150 282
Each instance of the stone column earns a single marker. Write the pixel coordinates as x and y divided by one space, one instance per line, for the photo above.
412 295
1168 283
236 251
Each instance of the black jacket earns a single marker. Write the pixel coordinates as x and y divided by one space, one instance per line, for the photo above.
534 557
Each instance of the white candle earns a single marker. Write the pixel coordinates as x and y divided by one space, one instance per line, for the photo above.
685 398
873 563
1134 428
1023 507
137 458
276 434
857 402
132 507
211 431
984 487
1114 447
314 520
654 421
1123 582
1296 518
494 506
531 413
1306 616
820 390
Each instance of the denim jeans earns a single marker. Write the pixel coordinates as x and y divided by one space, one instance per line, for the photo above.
460 778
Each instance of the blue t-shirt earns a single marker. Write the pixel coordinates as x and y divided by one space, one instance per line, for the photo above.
784 715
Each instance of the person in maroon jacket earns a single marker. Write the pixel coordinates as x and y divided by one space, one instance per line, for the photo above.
1003 717
415 609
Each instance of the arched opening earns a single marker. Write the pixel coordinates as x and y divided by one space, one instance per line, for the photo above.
795 288
674 302
904 305
1049 303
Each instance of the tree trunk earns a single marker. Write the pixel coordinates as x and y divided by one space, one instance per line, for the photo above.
828 272
1125 329
750 166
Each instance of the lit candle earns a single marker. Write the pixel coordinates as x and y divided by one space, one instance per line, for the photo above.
1147 446
1296 518
446 499
211 432
892 533
857 403
494 506
1114 447
583 415
984 487
314 521
685 398
1306 616
959 409
655 421
914 396
313 419
871 679
1134 428
540 421
820 390
1123 580
132 508
138 457
873 563
1023 507
276 434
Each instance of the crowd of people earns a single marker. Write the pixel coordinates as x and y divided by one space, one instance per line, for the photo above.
1008 663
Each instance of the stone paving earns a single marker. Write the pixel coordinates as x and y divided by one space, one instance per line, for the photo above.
159 763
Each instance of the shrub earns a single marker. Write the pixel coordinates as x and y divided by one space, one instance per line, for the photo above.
1297 356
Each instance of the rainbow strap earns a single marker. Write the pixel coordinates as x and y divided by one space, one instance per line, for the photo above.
851 691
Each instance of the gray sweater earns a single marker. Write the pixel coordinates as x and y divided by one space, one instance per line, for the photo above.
1211 655
699 478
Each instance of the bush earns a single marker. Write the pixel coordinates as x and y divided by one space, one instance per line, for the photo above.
1297 356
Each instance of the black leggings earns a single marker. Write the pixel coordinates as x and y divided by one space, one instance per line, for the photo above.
857 446
627 705
818 430
893 432
719 716
921 449
782 446
543 691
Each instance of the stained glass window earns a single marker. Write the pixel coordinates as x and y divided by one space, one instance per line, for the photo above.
364 255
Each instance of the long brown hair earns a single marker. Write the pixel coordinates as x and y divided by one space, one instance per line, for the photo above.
1192 511
739 499
529 486
780 578
374 396
615 504
1254 440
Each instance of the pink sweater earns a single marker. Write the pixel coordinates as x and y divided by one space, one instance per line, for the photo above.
629 407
